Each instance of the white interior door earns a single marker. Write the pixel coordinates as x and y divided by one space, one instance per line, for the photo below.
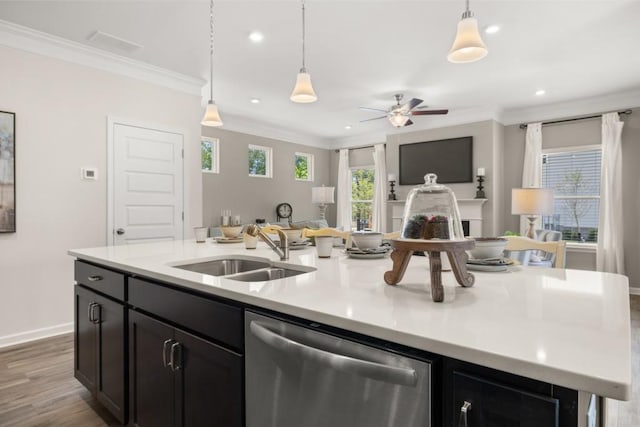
147 185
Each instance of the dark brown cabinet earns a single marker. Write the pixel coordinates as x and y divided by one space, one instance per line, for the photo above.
99 361
178 379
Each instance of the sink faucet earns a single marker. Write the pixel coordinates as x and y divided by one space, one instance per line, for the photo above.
282 250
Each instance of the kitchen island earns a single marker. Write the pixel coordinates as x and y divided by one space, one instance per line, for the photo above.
567 328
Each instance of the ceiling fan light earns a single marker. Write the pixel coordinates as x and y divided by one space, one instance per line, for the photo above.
211 115
398 119
303 91
468 45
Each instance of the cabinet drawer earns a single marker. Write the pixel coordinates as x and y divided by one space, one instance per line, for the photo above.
100 279
217 320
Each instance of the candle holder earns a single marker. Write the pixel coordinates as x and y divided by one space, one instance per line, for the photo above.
392 193
480 193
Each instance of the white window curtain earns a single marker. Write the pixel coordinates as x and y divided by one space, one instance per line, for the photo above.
379 217
610 255
532 168
343 220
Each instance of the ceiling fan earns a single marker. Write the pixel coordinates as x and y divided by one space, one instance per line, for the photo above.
400 115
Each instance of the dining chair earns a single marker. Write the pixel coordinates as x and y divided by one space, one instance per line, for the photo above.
328 231
557 248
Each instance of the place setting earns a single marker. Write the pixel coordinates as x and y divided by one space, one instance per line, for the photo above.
368 245
488 255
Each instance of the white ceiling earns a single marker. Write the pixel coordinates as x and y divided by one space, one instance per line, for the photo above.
360 53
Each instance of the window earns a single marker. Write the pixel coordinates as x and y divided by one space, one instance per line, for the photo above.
361 198
574 177
260 161
303 166
210 154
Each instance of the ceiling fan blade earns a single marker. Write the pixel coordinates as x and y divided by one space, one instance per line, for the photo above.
375 118
372 109
428 112
409 122
413 103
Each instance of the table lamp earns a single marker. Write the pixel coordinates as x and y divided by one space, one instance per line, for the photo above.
322 196
531 202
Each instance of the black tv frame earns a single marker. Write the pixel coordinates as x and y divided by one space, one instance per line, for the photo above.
467 178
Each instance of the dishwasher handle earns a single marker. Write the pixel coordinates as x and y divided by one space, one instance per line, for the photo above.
364 368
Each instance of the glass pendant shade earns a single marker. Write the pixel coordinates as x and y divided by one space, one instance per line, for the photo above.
303 91
468 45
211 115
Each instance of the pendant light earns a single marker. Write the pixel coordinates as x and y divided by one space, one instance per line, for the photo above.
468 45
211 115
303 91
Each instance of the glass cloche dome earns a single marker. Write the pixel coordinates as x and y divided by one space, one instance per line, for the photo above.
431 212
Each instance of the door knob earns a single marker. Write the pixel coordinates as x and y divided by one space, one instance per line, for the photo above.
120 231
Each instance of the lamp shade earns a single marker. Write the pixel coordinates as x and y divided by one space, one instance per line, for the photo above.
322 195
303 91
532 201
211 115
468 45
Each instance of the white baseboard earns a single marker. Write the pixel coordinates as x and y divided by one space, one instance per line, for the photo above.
634 290
36 334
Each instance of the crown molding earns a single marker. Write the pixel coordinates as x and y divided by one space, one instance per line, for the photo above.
241 124
30 40
576 107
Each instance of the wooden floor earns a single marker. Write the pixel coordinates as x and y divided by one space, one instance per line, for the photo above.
37 387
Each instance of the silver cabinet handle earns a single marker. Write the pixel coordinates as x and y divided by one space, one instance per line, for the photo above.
466 406
164 352
175 361
94 318
364 368
90 312
94 278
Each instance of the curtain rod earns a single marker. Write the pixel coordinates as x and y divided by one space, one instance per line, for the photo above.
524 125
360 148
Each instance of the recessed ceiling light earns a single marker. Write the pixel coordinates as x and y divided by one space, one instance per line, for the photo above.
540 92
492 29
256 36
255 101
347 127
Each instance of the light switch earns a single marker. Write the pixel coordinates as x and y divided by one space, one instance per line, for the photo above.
89 173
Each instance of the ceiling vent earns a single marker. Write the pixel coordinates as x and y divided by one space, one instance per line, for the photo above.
106 40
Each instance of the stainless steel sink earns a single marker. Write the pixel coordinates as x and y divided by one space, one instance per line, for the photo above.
272 273
225 267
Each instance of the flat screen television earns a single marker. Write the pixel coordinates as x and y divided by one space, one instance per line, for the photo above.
450 159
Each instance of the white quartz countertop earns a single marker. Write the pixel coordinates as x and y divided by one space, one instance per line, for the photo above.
564 327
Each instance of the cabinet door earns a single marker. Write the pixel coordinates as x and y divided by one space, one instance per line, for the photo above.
208 384
150 380
85 339
110 329
496 405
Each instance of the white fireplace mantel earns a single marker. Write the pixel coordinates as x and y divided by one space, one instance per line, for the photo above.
470 210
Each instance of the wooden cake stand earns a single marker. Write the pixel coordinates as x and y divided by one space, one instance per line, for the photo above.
404 248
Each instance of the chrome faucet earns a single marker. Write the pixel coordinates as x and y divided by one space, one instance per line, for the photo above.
282 250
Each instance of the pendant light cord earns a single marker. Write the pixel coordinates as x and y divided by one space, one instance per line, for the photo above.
211 50
304 68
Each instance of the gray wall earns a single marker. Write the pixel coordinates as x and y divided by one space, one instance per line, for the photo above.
585 132
253 198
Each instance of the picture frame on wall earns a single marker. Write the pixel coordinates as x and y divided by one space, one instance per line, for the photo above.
7 172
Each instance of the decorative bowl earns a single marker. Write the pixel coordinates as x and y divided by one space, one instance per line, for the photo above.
231 231
367 239
293 234
488 247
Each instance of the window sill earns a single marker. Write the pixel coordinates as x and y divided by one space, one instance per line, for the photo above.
590 248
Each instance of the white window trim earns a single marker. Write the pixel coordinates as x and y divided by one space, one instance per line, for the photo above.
573 246
268 158
310 167
215 154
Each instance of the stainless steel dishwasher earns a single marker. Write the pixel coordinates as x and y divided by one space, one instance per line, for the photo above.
299 377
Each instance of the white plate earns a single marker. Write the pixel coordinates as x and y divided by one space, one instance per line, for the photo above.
228 239
299 246
366 256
